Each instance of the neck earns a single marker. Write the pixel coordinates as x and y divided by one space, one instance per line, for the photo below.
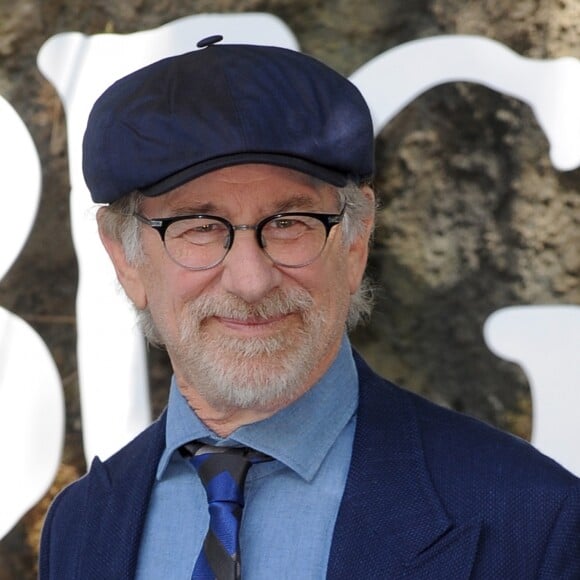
224 421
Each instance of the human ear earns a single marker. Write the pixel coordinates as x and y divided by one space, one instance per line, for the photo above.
128 274
359 249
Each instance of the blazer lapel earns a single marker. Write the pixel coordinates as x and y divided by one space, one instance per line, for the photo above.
119 492
391 523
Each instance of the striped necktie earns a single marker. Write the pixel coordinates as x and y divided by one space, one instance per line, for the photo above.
222 471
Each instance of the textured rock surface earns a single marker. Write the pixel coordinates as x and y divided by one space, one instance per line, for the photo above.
472 218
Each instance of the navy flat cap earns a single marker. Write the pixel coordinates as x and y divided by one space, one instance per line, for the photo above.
224 105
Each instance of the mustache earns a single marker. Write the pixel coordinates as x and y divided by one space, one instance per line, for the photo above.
277 303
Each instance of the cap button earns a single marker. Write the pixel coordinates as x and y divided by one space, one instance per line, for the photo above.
209 40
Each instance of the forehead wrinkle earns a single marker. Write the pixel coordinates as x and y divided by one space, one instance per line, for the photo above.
267 196
293 202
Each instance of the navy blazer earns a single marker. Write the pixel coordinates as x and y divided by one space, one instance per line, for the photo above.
430 494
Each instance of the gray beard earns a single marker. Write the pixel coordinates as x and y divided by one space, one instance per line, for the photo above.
241 373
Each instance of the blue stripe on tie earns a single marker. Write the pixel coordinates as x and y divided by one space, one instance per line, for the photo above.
222 472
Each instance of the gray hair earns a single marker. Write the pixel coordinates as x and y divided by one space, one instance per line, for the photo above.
119 224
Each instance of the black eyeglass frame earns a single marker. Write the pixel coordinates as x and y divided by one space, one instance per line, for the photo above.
329 220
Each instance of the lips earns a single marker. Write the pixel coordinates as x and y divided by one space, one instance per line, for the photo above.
256 321
251 325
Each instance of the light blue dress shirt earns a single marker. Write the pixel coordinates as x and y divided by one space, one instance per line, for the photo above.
291 502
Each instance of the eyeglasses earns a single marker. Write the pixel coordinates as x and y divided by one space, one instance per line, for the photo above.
201 241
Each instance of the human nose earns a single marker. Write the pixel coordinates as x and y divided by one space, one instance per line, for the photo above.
247 271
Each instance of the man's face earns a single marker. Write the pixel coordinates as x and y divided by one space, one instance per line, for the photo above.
246 333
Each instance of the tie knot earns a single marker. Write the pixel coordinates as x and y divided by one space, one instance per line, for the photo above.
222 470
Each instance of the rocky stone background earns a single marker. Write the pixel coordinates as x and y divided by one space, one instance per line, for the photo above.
473 217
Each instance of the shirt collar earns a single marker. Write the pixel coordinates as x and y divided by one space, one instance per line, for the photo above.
300 435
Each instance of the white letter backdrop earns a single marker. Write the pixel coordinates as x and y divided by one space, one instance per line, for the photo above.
31 398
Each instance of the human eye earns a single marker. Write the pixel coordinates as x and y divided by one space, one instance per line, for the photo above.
285 223
199 231
289 226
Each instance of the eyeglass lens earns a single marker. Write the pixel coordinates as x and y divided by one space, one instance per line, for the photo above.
289 240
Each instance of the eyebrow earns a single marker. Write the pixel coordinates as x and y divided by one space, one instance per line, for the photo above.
297 202
301 201
193 209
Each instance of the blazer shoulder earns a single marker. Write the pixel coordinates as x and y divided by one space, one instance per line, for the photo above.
149 442
457 444
65 529
470 444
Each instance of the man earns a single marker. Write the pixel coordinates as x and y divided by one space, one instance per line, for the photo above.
239 219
